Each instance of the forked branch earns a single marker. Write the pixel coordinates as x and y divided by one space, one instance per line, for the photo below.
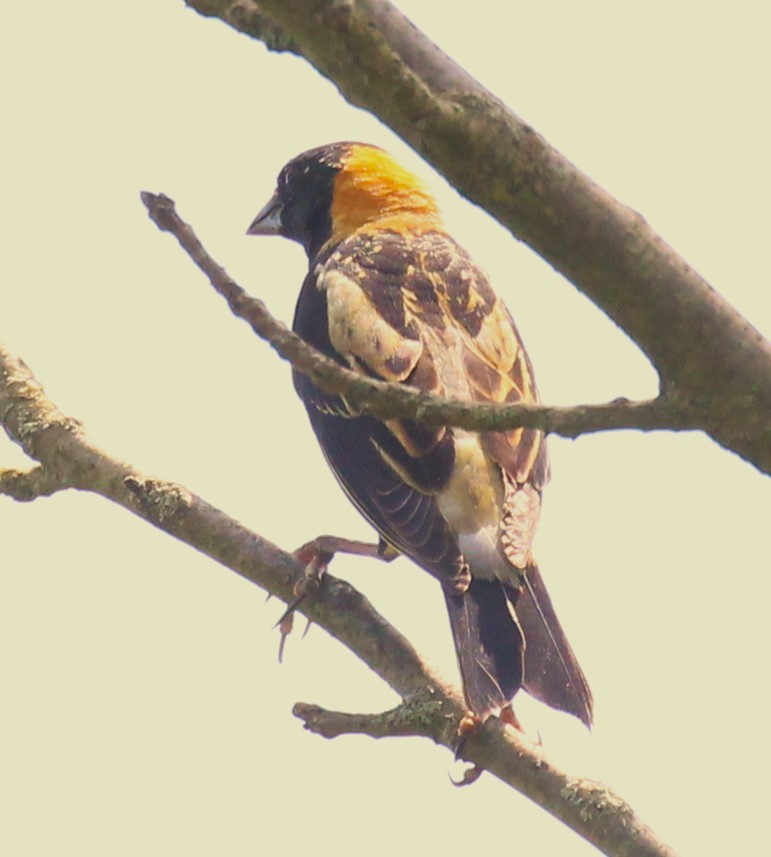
68 459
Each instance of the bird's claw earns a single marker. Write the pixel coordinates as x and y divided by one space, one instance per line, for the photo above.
508 716
467 725
470 775
317 554
316 559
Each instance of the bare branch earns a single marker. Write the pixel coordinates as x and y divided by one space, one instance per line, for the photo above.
398 722
25 485
62 448
611 823
701 347
249 18
386 400
429 707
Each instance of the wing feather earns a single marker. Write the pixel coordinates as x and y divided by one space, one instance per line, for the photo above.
494 362
420 312
391 472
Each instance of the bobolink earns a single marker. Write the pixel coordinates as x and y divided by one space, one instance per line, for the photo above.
391 295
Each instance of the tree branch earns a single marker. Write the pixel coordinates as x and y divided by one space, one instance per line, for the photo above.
430 708
385 400
398 722
26 485
702 348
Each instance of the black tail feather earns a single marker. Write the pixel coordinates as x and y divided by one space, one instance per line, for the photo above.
508 638
552 672
489 644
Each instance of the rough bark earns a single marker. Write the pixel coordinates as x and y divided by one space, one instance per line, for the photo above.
705 352
68 459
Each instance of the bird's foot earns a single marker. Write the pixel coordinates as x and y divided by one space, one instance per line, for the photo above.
468 724
508 716
316 561
328 546
468 777
317 554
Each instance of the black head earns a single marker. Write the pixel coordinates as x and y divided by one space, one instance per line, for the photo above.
300 208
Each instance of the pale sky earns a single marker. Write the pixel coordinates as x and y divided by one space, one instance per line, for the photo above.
144 711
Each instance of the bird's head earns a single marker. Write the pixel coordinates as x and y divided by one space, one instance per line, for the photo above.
325 194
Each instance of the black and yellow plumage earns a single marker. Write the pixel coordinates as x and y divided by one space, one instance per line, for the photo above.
391 295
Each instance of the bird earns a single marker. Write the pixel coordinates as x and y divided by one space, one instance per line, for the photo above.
391 295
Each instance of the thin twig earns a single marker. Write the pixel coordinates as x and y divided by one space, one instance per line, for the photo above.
386 400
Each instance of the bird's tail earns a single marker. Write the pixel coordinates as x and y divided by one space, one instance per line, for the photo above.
552 672
489 644
508 638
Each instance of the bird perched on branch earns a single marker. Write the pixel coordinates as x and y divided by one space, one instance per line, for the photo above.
391 295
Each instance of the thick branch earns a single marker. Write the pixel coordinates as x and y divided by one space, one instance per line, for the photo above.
386 400
72 460
610 823
430 708
700 345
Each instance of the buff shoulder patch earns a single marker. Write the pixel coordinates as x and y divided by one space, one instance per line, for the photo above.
367 317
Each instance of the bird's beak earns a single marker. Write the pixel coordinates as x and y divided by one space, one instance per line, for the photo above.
268 221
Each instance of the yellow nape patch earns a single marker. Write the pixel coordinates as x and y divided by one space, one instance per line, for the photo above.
372 188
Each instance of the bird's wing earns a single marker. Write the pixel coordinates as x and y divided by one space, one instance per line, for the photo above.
415 309
354 307
497 369
479 355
